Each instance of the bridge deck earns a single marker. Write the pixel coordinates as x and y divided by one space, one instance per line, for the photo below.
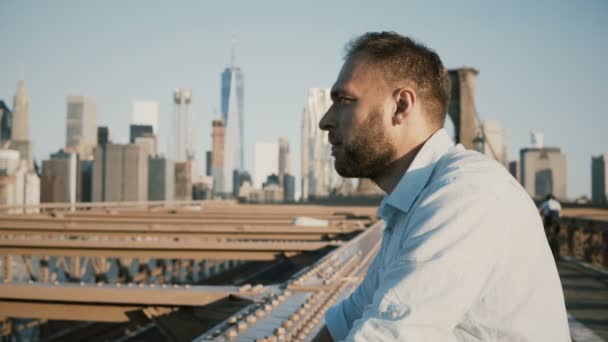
586 294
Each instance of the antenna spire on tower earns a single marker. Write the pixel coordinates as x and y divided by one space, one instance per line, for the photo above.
233 52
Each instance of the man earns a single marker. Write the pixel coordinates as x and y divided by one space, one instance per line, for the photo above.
463 257
550 210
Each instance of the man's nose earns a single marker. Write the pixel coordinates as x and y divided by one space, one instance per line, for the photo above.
327 122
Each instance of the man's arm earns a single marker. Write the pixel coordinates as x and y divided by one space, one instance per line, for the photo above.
339 318
440 270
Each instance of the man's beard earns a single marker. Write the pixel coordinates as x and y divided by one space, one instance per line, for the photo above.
368 153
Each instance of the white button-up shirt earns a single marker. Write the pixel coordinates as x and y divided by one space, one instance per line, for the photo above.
463 258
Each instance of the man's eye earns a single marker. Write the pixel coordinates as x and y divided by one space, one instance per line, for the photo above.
343 99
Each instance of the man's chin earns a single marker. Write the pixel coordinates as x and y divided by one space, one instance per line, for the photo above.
345 171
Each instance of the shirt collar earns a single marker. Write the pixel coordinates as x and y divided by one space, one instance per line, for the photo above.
417 175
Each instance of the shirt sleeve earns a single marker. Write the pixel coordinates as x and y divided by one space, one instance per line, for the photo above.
445 259
339 318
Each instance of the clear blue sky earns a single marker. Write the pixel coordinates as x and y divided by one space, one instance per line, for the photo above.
543 64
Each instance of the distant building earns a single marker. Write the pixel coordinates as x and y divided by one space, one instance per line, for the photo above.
85 182
202 188
208 163
136 131
20 134
217 165
183 180
7 191
515 170
25 151
233 110
266 162
273 193
59 180
238 179
19 186
183 135
31 189
244 177
495 141
543 172
9 161
236 182
6 122
284 158
318 173
289 188
271 179
161 179
81 134
20 125
146 113
120 173
103 135
148 143
599 179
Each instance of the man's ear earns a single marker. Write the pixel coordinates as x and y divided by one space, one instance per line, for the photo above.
405 103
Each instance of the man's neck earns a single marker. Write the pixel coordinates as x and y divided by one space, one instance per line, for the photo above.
388 180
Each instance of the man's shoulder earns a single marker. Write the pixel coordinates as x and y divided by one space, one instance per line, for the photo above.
467 166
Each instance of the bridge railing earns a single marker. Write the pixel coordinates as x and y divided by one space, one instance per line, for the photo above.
584 239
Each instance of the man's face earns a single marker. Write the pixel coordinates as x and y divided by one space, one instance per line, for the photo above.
359 121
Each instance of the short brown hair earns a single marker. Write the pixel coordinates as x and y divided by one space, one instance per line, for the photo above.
403 59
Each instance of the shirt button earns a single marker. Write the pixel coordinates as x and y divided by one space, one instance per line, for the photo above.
393 314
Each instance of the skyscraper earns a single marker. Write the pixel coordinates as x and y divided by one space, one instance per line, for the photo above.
183 133
233 148
81 133
318 174
20 129
284 159
543 170
266 162
599 179
232 104
20 135
217 154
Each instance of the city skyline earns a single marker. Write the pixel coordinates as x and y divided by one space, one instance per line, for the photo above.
529 79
